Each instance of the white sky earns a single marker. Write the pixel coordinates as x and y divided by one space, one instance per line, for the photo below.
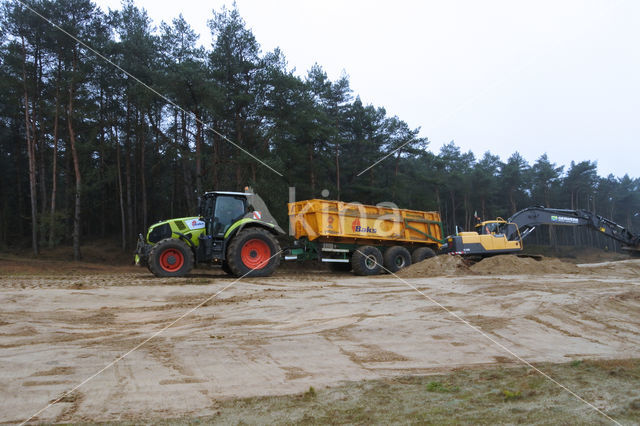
561 77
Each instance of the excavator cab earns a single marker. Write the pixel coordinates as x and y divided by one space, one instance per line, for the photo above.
499 228
490 237
488 227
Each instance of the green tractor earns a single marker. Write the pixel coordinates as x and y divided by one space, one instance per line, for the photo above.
234 230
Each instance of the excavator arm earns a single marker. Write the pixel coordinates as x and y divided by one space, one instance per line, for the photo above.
528 219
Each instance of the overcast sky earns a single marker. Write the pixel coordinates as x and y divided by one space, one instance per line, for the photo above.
555 77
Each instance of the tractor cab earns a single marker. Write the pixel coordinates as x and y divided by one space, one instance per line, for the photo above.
220 210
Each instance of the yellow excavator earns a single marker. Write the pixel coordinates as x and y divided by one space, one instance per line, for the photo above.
505 236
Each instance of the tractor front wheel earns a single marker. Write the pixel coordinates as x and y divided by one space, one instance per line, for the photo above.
170 258
253 252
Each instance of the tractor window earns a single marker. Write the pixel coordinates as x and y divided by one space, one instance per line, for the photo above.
206 208
228 210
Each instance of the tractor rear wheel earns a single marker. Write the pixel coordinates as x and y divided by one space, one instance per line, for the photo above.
396 258
170 258
366 260
253 252
422 253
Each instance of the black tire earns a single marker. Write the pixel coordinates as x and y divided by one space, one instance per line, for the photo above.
170 258
366 260
422 253
225 268
340 267
396 258
252 253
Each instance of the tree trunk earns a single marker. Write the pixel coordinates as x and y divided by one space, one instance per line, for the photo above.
483 206
198 153
216 159
337 171
54 166
185 165
120 194
453 208
467 213
175 199
39 143
395 176
143 183
127 171
312 176
104 190
76 167
31 156
238 177
512 201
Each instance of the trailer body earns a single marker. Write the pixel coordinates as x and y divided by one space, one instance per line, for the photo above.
340 232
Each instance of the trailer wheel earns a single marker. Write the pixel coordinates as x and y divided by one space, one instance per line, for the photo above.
366 260
170 258
396 258
422 253
252 253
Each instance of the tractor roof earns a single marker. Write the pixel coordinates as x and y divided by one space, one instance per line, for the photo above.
227 193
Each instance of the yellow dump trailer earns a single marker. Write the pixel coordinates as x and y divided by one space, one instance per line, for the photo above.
367 239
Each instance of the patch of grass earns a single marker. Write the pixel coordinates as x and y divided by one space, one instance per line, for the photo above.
576 363
310 394
440 388
510 395
489 396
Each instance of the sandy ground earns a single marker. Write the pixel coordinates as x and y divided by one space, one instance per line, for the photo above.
283 334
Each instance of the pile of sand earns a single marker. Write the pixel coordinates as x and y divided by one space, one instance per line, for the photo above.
509 264
436 266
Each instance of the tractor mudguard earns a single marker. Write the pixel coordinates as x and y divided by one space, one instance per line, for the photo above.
237 226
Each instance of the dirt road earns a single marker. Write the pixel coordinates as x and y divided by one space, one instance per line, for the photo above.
283 334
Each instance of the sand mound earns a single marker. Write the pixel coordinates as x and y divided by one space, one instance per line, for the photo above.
509 264
436 266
